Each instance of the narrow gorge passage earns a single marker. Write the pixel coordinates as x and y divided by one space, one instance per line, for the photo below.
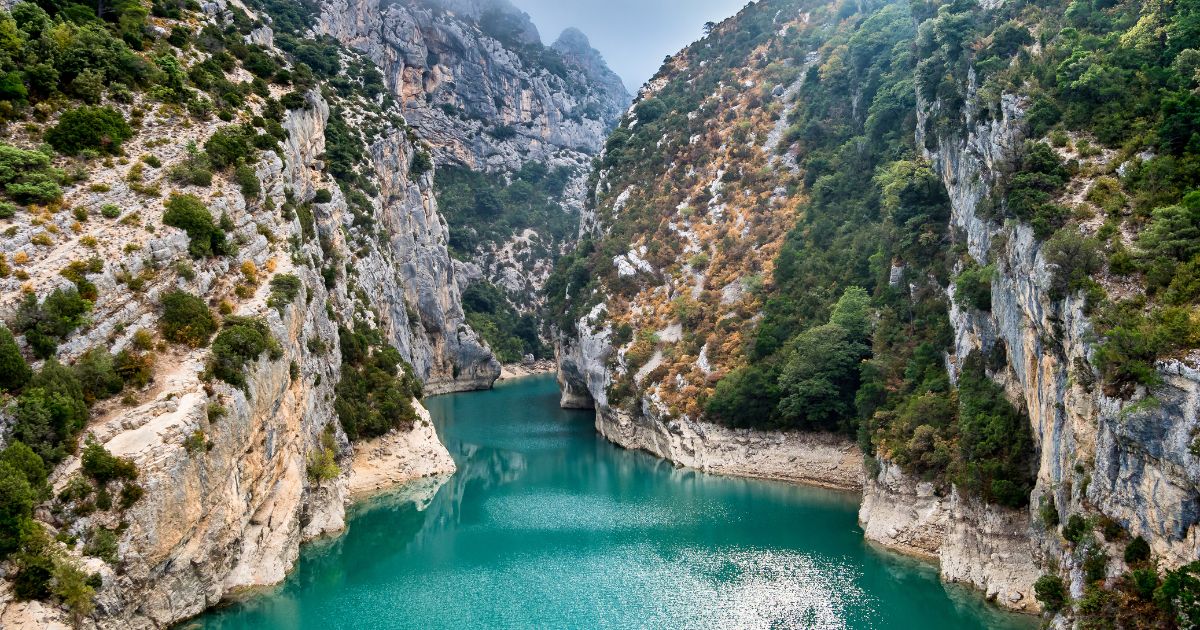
546 524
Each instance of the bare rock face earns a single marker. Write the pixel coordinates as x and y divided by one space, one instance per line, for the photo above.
469 76
474 78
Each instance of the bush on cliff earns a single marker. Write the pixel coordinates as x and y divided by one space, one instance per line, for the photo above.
377 388
241 340
187 319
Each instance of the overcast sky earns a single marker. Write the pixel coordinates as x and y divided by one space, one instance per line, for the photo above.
633 35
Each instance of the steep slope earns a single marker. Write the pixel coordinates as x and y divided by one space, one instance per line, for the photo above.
515 123
944 230
234 294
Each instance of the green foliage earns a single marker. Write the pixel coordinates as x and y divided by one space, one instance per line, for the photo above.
17 499
229 146
102 544
820 378
996 460
97 375
422 163
242 339
1075 528
45 324
1075 258
102 466
187 319
1048 513
322 461
284 289
50 412
745 397
377 389
1051 592
14 371
1138 550
1133 339
247 181
98 128
973 287
27 176
484 211
188 213
509 334
1179 595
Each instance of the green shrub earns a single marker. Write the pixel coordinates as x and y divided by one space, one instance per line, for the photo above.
1048 513
1051 592
1143 581
1075 258
102 544
228 146
97 375
16 507
187 319
1075 528
97 128
102 466
323 196
110 211
422 163
377 388
189 214
45 324
27 176
284 289
1179 595
973 287
996 454
14 371
242 339
1138 550
50 412
247 180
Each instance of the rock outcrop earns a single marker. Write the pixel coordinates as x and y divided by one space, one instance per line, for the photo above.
228 494
475 79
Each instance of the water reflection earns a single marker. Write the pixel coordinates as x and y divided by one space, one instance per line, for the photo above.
547 525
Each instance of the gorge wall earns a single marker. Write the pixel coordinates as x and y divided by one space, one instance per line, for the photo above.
333 234
476 81
651 333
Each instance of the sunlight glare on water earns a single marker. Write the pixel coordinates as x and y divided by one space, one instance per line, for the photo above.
546 525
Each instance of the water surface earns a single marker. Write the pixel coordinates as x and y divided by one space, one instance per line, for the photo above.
547 525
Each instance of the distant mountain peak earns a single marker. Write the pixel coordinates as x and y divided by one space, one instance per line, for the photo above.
575 47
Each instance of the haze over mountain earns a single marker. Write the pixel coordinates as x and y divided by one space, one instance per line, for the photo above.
633 35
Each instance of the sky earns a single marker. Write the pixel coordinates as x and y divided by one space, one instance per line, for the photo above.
633 35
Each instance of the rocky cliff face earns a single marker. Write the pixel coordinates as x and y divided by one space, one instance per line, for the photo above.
474 78
228 496
1129 462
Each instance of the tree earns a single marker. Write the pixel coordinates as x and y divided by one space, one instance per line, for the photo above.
98 128
187 319
103 467
1051 592
188 213
746 397
16 507
14 371
820 378
97 376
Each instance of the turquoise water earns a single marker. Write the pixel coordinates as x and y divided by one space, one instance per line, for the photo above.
547 525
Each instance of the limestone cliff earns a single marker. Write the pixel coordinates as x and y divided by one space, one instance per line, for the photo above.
681 272
476 81
228 492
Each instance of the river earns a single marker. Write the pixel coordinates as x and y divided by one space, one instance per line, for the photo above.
547 525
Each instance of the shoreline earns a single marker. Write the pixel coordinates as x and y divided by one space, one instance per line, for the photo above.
510 371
